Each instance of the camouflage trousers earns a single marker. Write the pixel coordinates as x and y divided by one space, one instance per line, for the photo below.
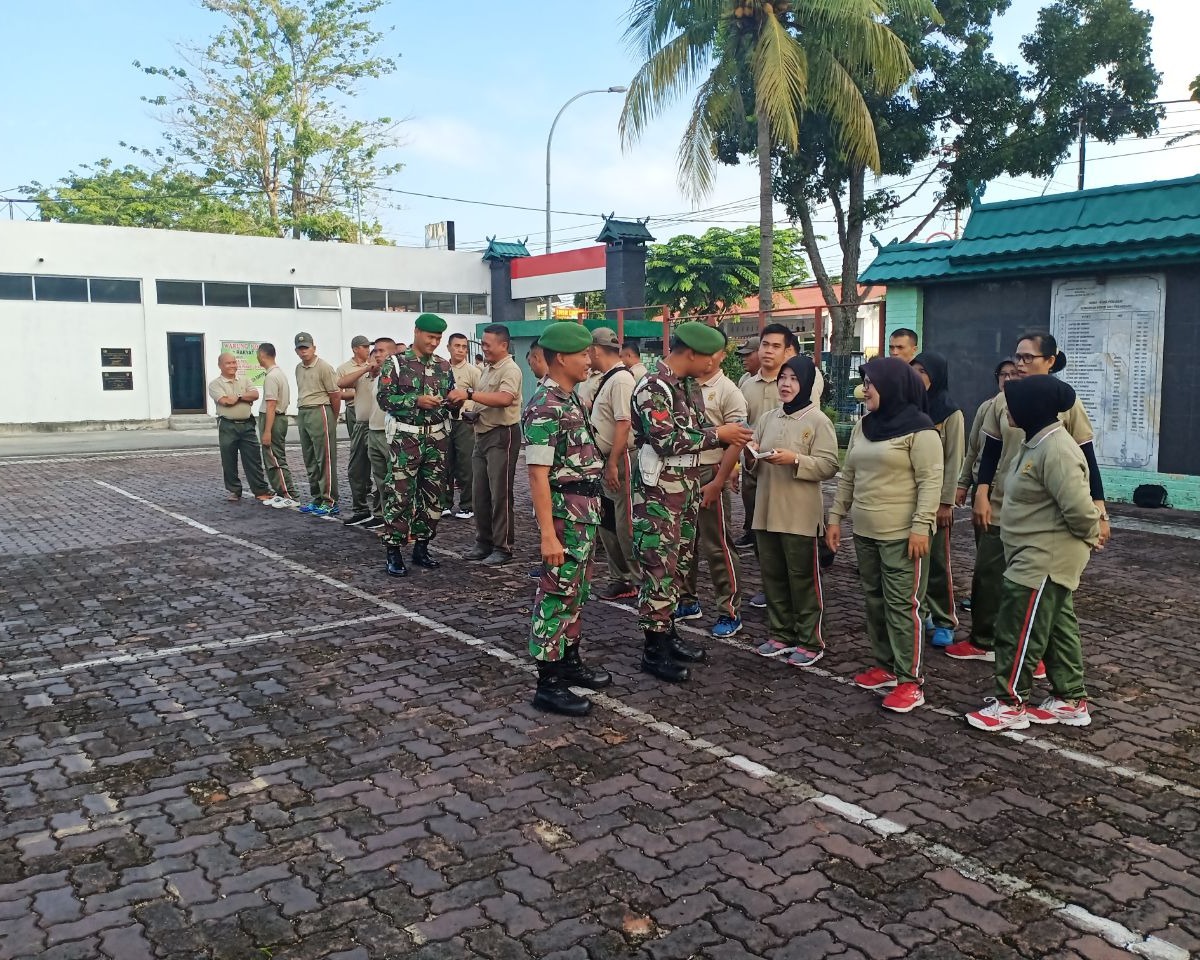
664 541
562 592
416 475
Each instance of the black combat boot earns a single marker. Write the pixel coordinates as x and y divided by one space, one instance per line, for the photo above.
421 555
395 562
578 674
554 694
680 649
657 660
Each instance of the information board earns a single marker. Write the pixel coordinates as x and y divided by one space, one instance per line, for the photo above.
246 352
117 379
1112 333
116 357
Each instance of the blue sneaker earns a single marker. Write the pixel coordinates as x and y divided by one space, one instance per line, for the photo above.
726 626
929 624
942 637
688 610
310 508
325 510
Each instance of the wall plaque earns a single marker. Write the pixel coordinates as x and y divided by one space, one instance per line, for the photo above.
117 379
116 356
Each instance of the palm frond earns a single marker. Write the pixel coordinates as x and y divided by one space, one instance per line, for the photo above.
718 106
673 70
780 79
833 91
855 31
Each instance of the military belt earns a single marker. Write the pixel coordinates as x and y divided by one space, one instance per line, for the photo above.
682 460
421 429
582 488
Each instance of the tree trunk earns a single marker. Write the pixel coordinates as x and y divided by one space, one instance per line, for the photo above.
766 214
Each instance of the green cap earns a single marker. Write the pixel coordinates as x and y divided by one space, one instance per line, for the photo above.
431 323
701 337
565 337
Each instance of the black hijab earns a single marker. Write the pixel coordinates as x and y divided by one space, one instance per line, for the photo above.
902 400
941 404
1035 402
806 372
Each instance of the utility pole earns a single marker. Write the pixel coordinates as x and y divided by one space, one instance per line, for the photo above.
1082 146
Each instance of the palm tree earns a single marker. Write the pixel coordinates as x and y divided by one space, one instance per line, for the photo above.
795 55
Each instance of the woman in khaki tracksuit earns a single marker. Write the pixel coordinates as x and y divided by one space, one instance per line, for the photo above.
890 487
1050 526
789 513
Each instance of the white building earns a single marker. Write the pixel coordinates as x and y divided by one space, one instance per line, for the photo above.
121 327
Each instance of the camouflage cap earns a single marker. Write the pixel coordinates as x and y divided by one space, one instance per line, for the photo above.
565 337
701 337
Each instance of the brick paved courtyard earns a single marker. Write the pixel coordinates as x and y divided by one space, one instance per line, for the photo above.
227 734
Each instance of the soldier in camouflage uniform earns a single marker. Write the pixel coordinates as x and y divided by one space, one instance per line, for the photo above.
671 430
412 392
565 470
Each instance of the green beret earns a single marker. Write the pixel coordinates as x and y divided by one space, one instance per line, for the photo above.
565 337
431 323
701 337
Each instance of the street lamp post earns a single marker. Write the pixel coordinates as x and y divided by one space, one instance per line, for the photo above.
550 138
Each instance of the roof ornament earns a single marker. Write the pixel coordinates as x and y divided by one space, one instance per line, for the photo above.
977 190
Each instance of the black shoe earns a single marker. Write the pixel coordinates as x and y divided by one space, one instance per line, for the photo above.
554 694
577 674
421 556
680 649
497 558
373 524
658 662
395 562
747 541
478 553
535 573
355 519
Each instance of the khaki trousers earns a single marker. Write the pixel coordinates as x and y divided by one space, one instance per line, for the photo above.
623 566
494 462
714 542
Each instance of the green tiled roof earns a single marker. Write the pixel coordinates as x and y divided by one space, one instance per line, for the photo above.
496 250
624 231
1126 226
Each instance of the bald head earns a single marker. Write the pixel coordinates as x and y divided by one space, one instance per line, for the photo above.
227 364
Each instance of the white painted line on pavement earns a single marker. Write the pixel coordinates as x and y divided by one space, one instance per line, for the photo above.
87 458
1115 933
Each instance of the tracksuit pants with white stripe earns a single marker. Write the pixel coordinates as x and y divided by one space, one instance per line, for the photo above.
1037 624
714 542
893 591
318 445
274 454
791 578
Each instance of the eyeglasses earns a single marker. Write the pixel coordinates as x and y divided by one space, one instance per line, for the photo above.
1008 376
1027 358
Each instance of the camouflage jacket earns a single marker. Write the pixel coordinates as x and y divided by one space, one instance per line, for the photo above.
668 414
557 436
405 377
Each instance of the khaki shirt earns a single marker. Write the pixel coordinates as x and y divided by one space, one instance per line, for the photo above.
953 440
465 375
231 388
761 395
996 425
723 403
611 405
506 376
970 464
315 383
638 370
890 488
789 498
1053 525
586 391
350 366
276 387
366 403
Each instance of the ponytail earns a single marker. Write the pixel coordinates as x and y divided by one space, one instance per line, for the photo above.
1049 348
1060 362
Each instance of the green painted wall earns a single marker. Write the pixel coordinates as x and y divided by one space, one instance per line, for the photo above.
1183 492
905 308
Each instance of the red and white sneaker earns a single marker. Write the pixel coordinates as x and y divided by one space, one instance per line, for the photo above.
1070 713
1039 672
906 697
875 679
998 716
966 650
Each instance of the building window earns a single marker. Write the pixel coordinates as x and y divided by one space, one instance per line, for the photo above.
226 295
63 289
322 298
272 296
406 301
473 303
16 286
439 303
181 293
115 291
361 299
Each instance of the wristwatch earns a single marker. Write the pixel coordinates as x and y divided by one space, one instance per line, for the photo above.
470 392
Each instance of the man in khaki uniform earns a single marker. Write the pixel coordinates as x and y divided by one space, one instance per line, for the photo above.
723 403
748 351
610 418
272 429
358 470
761 391
497 445
233 396
378 449
631 356
459 470
318 399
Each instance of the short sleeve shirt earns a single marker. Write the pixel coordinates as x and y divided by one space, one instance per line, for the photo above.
276 387
350 366
315 383
557 436
231 388
723 403
611 405
502 376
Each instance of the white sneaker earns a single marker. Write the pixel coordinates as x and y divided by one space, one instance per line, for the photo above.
465 514
1057 710
285 503
447 512
998 716
271 501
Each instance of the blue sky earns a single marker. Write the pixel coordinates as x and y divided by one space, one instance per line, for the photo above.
478 83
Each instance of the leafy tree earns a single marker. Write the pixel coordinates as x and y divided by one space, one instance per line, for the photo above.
769 63
713 274
132 197
980 117
1194 86
261 109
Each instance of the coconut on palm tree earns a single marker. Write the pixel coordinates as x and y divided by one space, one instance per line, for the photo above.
793 55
